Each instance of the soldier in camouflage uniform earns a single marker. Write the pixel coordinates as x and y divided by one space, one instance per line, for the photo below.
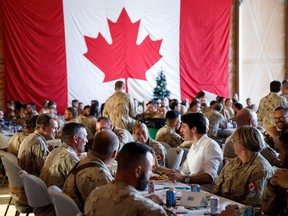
281 126
268 104
141 135
34 148
167 133
92 171
244 177
247 116
16 139
124 136
62 159
121 197
275 198
120 108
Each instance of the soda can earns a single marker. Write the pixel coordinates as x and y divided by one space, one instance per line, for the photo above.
246 211
170 197
195 187
214 205
151 187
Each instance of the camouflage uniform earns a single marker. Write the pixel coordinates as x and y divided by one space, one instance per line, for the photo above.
160 151
58 164
168 135
119 108
15 141
244 183
275 200
118 198
90 122
123 135
86 179
216 121
32 153
267 106
203 157
267 152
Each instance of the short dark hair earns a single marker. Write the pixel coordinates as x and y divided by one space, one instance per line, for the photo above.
194 102
172 114
239 106
285 83
197 120
132 155
51 104
217 106
69 130
43 119
173 105
75 101
282 108
119 84
275 86
31 123
94 110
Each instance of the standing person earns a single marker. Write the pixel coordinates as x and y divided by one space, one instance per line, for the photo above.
122 197
62 159
268 104
120 108
244 177
34 148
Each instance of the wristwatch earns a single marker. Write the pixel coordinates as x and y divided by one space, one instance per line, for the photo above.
187 180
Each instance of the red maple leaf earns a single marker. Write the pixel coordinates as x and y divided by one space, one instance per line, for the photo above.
123 58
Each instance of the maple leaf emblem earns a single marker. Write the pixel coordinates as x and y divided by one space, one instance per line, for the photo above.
123 58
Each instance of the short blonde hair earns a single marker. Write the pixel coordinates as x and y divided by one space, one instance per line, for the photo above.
250 137
140 125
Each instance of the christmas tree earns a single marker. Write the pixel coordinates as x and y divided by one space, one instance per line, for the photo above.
161 91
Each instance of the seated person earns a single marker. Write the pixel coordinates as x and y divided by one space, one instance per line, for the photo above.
16 139
216 121
275 196
124 136
122 196
244 177
167 133
204 158
141 135
151 112
92 172
246 116
62 159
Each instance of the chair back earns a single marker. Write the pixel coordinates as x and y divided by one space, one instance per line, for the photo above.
36 190
63 204
3 141
12 169
174 157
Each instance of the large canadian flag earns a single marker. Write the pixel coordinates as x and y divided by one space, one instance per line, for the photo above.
77 49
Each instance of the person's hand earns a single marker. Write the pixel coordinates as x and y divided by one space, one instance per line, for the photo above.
175 176
155 198
232 210
280 178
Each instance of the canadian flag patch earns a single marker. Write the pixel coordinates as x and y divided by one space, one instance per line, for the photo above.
251 187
